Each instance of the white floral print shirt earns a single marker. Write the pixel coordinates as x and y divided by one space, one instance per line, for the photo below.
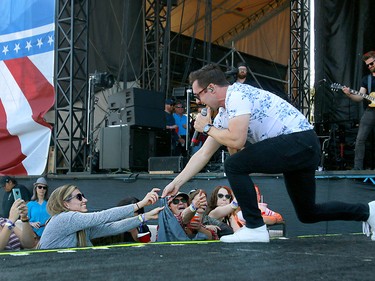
270 115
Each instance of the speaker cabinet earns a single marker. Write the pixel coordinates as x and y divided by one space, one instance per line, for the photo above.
130 147
137 107
171 163
139 116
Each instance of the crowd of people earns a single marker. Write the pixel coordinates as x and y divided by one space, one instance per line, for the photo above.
62 220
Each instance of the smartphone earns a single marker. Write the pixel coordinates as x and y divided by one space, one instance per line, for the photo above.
16 193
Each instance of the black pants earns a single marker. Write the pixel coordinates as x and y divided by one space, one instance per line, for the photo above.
296 156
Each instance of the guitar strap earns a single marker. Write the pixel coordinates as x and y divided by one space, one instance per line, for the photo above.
369 82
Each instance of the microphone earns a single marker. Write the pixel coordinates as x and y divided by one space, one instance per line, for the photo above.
194 139
233 71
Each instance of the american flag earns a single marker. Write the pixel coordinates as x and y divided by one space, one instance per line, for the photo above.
26 84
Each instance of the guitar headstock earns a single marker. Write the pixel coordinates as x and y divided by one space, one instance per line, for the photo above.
336 86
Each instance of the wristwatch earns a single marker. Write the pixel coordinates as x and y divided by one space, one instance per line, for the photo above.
207 128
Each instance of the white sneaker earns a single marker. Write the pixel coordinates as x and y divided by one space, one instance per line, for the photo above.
369 225
245 234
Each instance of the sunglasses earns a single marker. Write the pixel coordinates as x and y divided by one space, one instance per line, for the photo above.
371 63
79 196
177 201
197 96
227 196
42 187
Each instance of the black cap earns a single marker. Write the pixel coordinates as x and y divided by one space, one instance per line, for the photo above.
6 179
169 101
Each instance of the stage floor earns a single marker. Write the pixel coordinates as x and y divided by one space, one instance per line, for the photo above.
335 257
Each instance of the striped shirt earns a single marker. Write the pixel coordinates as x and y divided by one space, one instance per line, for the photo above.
14 242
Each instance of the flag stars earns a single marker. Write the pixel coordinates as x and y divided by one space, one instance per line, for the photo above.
40 43
28 45
50 40
5 50
17 47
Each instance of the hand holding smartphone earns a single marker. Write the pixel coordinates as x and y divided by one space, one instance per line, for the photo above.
16 193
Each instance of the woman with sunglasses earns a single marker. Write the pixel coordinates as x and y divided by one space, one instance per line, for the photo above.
71 225
223 206
37 206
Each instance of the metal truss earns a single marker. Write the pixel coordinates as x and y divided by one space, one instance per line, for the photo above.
71 68
71 85
155 75
299 72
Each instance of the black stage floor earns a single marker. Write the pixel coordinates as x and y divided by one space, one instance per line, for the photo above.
336 257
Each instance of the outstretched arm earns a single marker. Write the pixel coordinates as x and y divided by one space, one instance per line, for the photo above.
193 167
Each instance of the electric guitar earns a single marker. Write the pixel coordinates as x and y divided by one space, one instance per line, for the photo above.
370 97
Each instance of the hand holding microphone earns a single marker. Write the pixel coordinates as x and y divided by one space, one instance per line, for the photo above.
194 139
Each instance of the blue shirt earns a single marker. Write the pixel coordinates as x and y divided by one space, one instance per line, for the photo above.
38 213
180 121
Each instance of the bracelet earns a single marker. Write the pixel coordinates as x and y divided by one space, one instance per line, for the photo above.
137 205
10 224
142 218
234 205
27 219
192 208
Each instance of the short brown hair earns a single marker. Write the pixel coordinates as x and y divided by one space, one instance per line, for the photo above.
210 73
368 55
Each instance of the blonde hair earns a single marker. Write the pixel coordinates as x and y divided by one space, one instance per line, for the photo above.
55 206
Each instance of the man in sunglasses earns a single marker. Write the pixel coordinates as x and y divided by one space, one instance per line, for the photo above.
264 134
179 205
9 183
367 122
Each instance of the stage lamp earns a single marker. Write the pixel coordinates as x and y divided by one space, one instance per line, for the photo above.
103 80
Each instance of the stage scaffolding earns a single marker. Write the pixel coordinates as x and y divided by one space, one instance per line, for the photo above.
71 146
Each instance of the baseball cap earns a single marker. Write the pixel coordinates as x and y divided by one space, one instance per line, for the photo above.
181 194
6 179
169 101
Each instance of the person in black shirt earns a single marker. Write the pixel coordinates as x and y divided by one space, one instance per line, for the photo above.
8 183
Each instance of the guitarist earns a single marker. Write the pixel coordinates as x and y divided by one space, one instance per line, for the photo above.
367 122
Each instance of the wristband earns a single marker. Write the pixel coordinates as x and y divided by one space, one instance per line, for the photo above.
142 218
234 205
10 224
192 208
137 205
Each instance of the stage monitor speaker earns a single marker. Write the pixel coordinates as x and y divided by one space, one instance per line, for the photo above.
130 147
165 164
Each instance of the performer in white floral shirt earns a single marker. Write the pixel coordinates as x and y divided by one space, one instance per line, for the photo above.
264 134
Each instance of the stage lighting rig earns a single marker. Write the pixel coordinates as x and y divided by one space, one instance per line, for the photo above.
103 80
